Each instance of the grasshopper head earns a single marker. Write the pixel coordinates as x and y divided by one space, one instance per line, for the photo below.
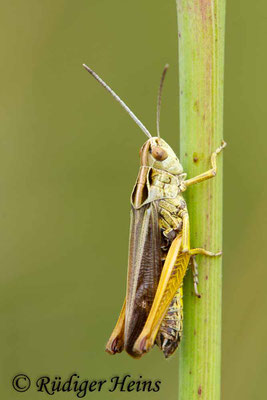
158 154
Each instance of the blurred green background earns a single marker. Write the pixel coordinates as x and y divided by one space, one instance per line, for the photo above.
68 161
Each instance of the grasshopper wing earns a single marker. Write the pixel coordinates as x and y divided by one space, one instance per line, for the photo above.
144 269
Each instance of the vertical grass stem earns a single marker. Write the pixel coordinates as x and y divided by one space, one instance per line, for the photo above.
201 65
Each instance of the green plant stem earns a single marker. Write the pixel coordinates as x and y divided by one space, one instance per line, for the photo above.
201 64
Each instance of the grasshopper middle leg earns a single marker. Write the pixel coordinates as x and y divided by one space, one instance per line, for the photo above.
193 252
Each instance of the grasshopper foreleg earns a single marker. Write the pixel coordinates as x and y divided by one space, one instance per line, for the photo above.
208 174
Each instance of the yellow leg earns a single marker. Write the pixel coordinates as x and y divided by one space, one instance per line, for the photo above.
186 241
199 250
116 340
208 174
193 252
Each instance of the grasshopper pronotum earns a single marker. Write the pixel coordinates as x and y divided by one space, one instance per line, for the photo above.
159 247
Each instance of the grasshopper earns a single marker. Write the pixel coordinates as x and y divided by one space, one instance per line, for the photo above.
159 246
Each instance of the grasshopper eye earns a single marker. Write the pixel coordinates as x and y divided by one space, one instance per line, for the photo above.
159 153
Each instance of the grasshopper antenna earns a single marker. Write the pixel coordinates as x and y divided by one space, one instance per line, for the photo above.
159 96
116 97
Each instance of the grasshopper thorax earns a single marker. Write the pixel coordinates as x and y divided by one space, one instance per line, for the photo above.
158 154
